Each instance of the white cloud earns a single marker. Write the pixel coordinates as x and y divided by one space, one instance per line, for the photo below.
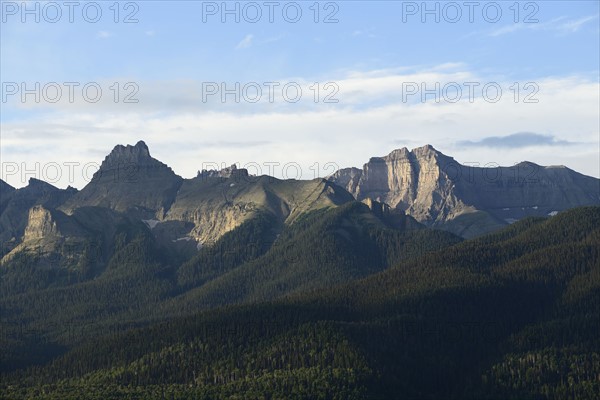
371 119
245 42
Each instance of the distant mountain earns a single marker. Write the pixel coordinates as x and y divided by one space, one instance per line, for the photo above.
130 180
467 200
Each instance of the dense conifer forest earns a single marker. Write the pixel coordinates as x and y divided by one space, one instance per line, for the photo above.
511 315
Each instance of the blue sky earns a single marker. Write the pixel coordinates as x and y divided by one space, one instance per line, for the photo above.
373 54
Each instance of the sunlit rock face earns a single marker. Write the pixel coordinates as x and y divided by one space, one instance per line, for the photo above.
438 191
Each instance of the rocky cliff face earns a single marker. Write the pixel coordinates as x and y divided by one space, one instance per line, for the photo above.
15 206
412 181
216 205
130 180
40 224
438 191
47 234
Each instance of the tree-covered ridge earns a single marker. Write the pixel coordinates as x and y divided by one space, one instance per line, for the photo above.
321 249
143 281
509 316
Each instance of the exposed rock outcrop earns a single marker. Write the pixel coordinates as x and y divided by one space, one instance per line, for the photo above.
230 172
216 206
40 224
438 191
15 205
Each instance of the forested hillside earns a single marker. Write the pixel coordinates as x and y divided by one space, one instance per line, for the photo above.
512 315
46 311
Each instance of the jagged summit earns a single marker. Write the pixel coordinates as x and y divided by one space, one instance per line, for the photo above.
402 152
34 182
139 146
129 179
426 147
427 151
228 172
38 185
131 162
138 154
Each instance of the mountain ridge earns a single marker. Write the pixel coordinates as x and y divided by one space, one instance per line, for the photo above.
423 183
466 200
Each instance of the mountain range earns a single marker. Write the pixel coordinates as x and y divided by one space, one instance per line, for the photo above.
423 183
413 277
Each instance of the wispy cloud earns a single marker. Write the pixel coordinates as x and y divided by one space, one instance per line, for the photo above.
561 25
574 25
273 39
364 32
517 140
245 42
103 35
149 33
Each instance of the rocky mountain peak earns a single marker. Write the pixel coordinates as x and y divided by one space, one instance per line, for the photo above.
427 152
425 149
399 153
138 154
129 179
34 182
228 172
142 144
131 163
36 187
